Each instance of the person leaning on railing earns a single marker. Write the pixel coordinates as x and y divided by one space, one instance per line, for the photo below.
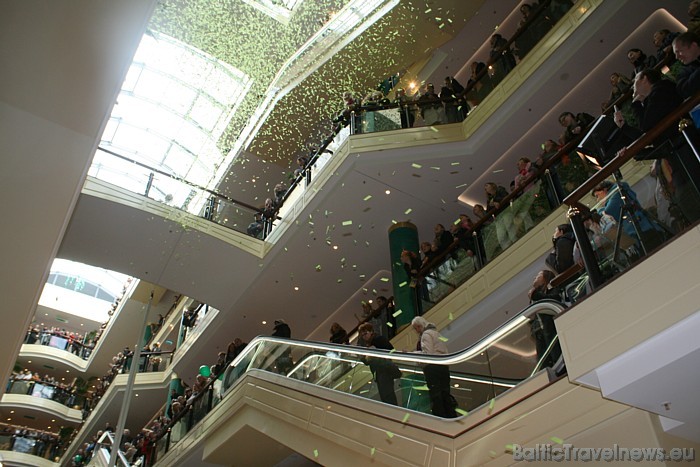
653 99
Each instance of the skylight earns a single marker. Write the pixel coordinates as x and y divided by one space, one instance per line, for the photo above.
175 104
281 10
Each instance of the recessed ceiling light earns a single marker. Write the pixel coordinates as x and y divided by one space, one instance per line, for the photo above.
264 322
46 314
9 419
67 371
81 324
48 428
388 192
296 288
12 411
335 247
136 395
29 361
53 420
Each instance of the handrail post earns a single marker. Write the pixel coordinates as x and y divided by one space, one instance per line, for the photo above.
480 250
149 184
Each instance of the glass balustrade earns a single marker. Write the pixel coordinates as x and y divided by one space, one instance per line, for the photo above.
48 391
478 374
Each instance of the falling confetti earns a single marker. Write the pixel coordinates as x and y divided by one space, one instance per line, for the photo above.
372 451
492 404
443 338
462 412
557 440
403 284
384 279
416 166
397 313
421 388
315 452
408 211
450 317
367 198
347 223
405 418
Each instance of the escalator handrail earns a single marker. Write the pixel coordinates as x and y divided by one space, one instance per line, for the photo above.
412 357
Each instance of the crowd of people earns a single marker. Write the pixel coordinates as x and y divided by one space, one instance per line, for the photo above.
618 217
31 441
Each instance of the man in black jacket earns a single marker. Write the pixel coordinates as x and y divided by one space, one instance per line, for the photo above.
654 98
562 257
686 46
384 370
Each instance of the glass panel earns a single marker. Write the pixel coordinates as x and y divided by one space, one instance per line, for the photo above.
473 377
453 271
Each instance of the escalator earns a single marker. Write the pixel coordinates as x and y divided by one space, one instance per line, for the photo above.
321 401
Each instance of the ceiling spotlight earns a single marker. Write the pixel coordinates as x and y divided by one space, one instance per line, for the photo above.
296 288
335 247
29 361
264 322
388 192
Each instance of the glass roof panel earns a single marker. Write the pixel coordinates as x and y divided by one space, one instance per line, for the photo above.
175 104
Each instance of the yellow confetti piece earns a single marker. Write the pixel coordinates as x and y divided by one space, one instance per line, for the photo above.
435 168
441 26
403 284
408 211
318 267
384 279
492 404
390 325
367 198
421 388
461 186
390 434
347 223
372 451
428 11
315 452
406 417
462 412
443 338
397 313
557 440
340 280
509 448
454 163
450 317
416 166
493 454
